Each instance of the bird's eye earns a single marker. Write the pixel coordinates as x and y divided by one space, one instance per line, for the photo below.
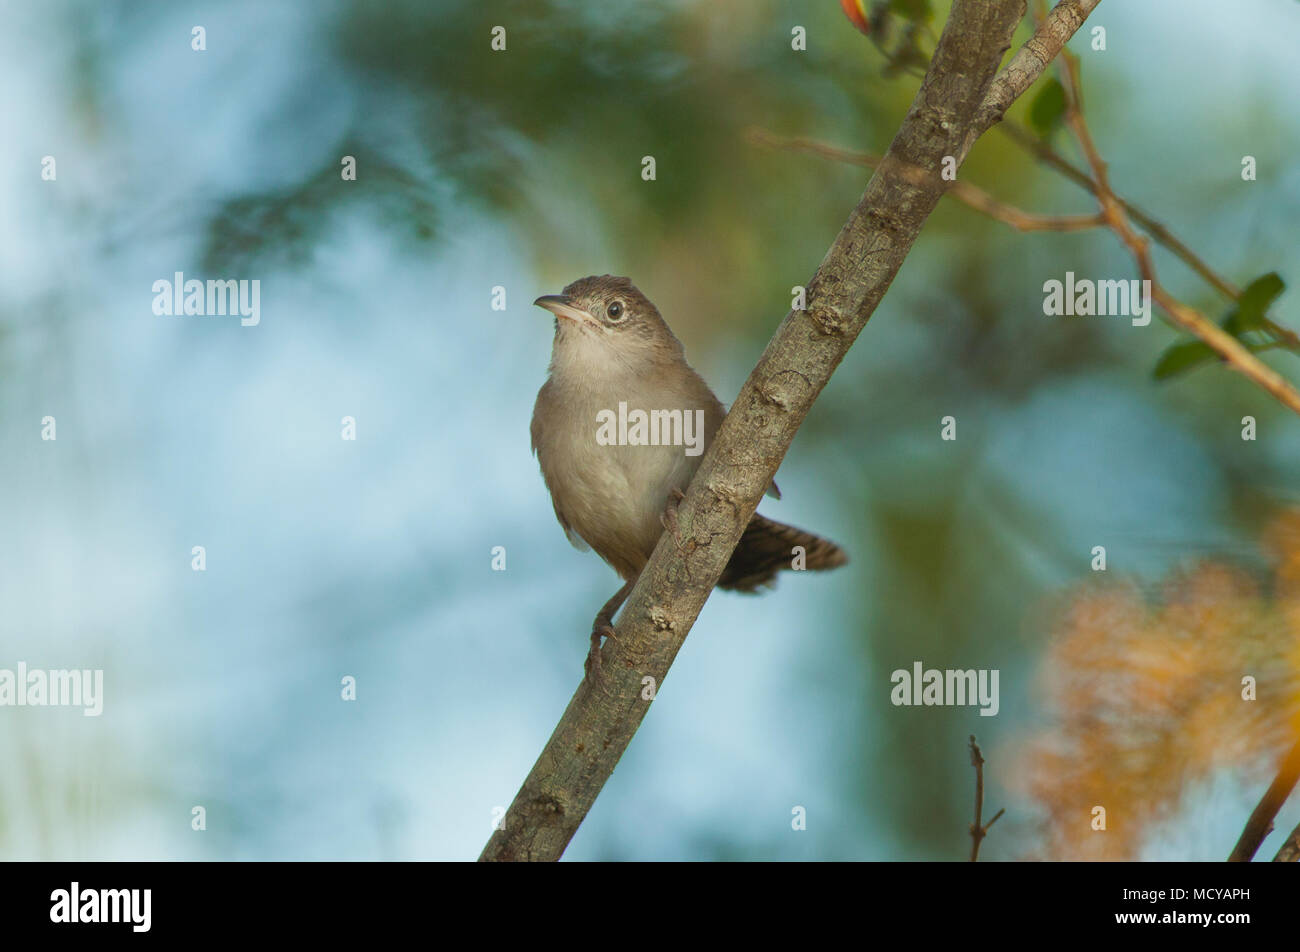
615 311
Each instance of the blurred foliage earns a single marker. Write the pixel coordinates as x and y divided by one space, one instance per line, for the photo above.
1047 108
278 226
1147 698
551 132
547 138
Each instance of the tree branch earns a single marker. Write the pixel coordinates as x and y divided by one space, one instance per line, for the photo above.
1260 823
1031 60
738 467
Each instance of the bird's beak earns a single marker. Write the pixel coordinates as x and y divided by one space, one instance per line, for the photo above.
561 305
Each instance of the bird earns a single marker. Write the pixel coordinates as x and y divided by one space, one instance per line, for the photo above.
615 488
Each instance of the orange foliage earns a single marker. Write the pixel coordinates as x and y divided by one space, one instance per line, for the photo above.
1147 697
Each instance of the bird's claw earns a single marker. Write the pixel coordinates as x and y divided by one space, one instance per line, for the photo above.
592 665
669 516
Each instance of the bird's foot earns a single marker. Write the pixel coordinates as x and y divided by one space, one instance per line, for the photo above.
669 516
592 665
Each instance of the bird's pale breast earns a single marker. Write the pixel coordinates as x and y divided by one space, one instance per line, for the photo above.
612 496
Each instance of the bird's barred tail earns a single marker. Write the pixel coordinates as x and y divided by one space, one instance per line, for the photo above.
767 547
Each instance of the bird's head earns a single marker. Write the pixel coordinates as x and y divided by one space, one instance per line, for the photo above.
604 317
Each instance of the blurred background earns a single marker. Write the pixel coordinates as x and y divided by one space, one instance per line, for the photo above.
521 169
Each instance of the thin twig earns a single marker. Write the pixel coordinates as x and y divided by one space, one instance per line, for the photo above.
981 201
1156 229
1043 151
1260 823
977 830
970 195
1228 347
1290 851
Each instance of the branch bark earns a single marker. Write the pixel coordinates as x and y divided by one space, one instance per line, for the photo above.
1030 61
945 119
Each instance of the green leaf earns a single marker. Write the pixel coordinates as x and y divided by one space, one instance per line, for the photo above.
1189 354
1255 301
1048 107
1182 357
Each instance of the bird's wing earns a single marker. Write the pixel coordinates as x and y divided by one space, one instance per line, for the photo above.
535 431
535 428
576 540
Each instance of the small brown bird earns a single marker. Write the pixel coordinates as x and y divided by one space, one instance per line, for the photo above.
619 429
